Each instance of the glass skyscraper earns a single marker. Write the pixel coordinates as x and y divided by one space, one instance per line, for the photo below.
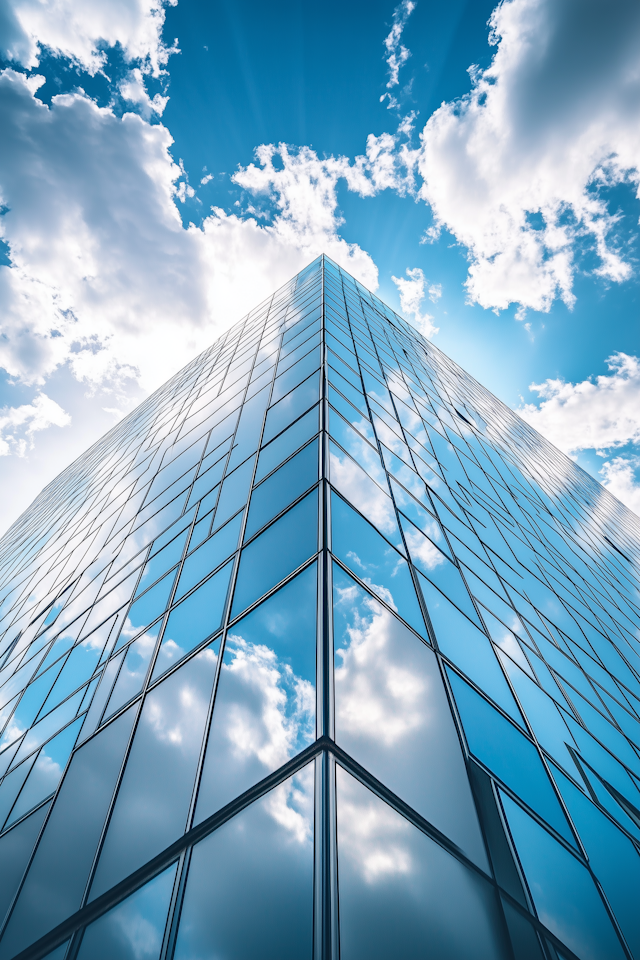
321 653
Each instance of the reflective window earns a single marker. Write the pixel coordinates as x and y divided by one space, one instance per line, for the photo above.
153 799
150 605
15 850
282 487
209 556
134 929
133 671
265 703
289 441
292 406
401 895
285 545
250 885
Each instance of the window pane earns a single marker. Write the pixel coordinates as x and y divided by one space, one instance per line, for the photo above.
133 672
285 545
134 929
284 486
15 850
392 714
291 407
265 703
150 605
292 438
46 772
54 885
153 799
563 892
358 545
209 556
506 752
193 620
234 493
250 887
401 895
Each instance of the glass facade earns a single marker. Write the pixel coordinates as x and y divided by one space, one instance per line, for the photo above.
321 652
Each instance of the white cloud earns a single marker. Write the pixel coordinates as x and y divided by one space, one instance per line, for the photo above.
618 476
79 29
19 424
412 292
593 414
518 169
397 52
134 91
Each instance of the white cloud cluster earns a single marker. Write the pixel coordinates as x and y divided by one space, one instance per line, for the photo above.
79 30
596 414
397 53
19 424
518 169
412 290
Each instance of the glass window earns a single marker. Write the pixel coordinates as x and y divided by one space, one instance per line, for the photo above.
281 488
281 448
265 703
15 849
150 605
209 556
358 545
193 620
563 892
469 648
58 874
234 492
392 714
78 668
291 407
133 671
247 435
402 895
250 886
207 480
154 795
134 929
507 753
283 547
295 375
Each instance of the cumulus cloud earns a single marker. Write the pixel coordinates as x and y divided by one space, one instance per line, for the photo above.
598 414
518 170
18 425
594 414
79 30
412 290
397 53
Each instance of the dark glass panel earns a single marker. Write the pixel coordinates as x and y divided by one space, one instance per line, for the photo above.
15 849
358 545
193 620
393 717
402 895
282 487
507 753
57 877
153 800
250 887
265 703
134 929
285 545
563 892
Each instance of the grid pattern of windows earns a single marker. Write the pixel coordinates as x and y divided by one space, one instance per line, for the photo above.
321 652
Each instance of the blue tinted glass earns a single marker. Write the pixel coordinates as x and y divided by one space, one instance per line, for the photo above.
282 487
468 648
134 929
153 800
284 546
292 438
446 576
162 561
209 556
262 859
360 547
359 488
613 858
393 717
46 772
291 407
507 753
78 668
57 877
401 895
563 892
133 671
150 605
58 953
193 620
265 703
247 435
295 375
234 492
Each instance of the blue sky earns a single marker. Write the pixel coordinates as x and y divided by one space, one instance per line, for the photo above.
164 167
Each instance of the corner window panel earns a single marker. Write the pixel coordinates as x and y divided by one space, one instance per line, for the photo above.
265 703
563 892
281 414
402 895
261 861
292 438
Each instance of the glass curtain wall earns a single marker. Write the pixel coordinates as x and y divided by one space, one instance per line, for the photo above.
322 652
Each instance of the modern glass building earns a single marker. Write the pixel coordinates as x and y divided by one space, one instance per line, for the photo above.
321 653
